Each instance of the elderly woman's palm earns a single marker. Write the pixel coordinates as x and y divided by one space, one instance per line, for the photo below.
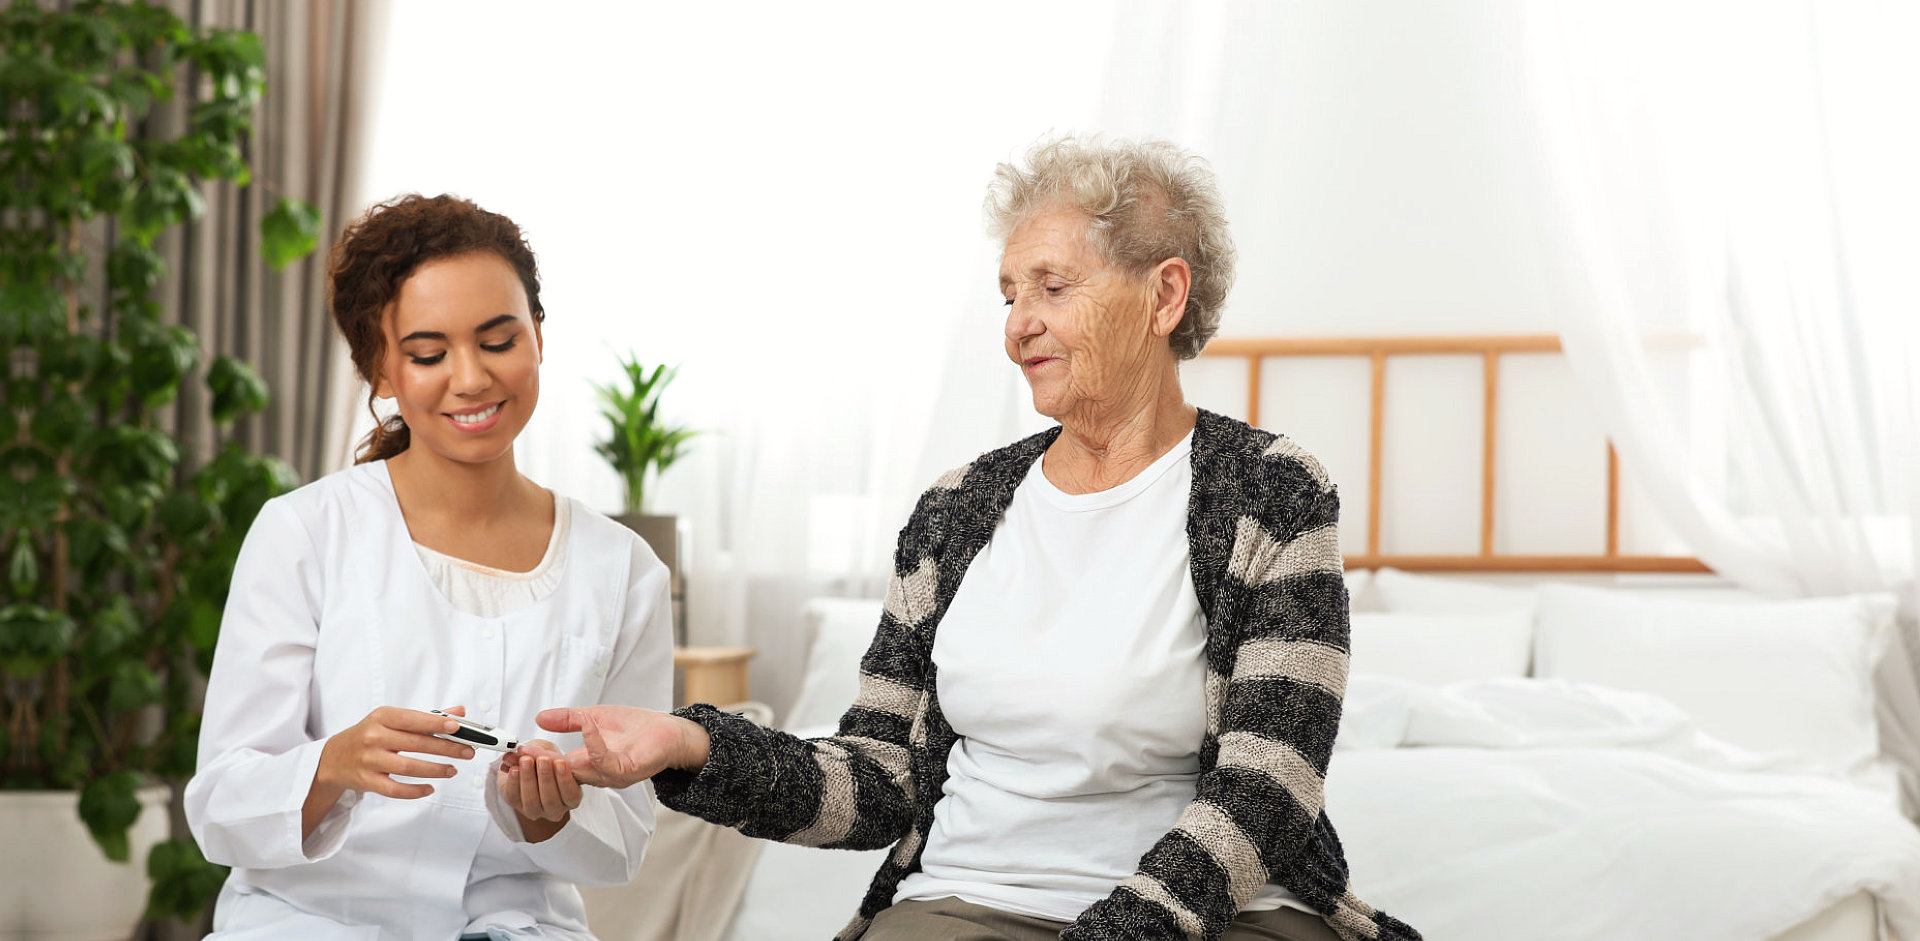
624 745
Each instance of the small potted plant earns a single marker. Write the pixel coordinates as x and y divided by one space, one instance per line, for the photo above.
118 538
641 446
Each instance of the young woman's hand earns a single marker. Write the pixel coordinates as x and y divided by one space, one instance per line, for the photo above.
363 758
537 782
626 745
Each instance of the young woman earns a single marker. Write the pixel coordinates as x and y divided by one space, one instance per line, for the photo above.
430 575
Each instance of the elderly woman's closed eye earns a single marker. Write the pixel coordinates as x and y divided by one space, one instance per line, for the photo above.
1103 695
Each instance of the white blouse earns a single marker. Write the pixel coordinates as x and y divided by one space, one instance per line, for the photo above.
333 613
488 592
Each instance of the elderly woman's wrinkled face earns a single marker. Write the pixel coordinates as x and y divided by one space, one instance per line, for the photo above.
1078 327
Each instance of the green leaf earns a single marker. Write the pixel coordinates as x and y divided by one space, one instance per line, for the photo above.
108 806
132 686
162 357
38 308
203 624
23 569
639 442
183 881
289 232
164 197
240 483
32 637
131 454
104 156
91 541
135 90
130 506
133 267
183 515
111 629
237 389
59 422
80 102
222 119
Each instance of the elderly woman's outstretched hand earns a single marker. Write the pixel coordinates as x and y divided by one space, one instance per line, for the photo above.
626 745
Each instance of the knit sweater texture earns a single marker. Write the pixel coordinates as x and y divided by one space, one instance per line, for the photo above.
1266 565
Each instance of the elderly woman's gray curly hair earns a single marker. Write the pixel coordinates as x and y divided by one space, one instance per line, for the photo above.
1147 201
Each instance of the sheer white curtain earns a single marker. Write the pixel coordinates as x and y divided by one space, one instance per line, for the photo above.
782 198
1734 200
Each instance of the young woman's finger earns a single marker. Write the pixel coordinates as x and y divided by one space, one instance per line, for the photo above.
570 793
550 791
412 720
388 787
529 789
394 740
414 767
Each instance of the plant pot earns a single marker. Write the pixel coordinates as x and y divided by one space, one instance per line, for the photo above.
663 534
56 885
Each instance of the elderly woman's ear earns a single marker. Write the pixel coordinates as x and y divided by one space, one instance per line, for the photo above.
1171 279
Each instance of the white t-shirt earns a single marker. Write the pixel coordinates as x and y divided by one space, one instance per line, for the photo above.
1072 665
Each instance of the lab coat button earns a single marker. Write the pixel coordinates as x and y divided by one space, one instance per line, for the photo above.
600 671
486 706
479 781
489 634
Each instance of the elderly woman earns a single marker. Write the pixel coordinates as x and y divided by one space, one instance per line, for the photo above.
1102 697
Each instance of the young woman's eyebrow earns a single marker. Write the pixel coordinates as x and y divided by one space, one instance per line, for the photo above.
437 335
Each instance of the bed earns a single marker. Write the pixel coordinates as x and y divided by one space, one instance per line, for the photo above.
1525 753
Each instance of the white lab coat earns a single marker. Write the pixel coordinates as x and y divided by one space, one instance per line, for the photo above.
331 614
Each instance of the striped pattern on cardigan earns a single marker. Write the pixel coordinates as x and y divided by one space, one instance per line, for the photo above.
1267 569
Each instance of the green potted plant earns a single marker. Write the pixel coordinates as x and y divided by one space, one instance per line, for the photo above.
640 446
118 545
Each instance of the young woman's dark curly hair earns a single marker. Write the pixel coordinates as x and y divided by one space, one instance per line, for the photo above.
375 256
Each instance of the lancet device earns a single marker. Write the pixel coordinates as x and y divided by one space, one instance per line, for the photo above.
475 734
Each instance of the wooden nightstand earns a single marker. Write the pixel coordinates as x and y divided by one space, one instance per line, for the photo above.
716 675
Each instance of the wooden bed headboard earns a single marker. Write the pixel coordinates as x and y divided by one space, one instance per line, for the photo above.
1490 348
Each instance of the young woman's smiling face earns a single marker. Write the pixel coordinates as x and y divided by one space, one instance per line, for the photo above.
462 357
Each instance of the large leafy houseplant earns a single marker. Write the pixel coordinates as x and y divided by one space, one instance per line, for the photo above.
118 547
641 444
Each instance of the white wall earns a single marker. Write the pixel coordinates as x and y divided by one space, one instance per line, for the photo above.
675 167
1381 179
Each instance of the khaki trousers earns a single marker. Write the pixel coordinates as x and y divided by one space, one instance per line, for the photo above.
951 919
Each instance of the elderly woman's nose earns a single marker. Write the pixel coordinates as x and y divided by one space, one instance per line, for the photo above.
1021 320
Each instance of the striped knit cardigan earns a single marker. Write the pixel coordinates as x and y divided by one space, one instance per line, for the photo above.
1266 567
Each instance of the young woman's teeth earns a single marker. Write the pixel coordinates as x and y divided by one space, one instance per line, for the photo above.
476 417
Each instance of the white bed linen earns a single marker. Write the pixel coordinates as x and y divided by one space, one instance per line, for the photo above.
1525 809
1515 809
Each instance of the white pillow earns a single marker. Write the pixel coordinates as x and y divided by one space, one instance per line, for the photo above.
1441 648
839 632
1375 713
1428 594
1767 676
1359 590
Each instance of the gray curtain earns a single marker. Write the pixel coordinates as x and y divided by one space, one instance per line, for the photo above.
307 140
307 143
